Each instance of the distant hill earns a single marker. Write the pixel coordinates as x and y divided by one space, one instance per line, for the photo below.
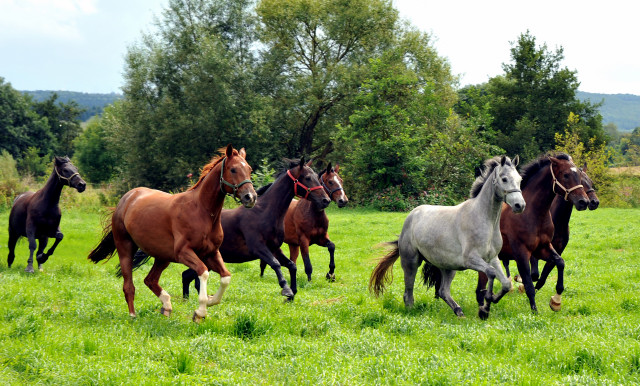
93 103
621 109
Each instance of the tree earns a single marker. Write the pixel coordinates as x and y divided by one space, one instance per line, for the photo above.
63 120
93 156
533 99
316 51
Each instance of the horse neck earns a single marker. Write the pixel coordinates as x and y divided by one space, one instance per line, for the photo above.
277 199
488 201
539 192
210 194
561 212
52 189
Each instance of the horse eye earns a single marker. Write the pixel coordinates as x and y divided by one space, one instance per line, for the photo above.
504 179
566 175
233 170
330 182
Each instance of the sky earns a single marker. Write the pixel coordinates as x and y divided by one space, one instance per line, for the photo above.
80 45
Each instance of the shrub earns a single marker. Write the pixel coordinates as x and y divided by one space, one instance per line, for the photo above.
10 183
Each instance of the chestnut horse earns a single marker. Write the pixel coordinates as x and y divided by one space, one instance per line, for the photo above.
178 228
531 233
36 215
304 224
258 233
560 215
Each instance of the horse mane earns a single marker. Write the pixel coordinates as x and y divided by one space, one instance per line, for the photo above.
533 167
208 167
263 189
488 167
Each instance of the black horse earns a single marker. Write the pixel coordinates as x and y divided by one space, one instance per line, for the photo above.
36 215
258 233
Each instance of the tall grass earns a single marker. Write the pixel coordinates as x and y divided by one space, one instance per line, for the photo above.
70 325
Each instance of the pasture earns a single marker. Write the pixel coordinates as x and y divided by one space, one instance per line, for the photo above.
70 325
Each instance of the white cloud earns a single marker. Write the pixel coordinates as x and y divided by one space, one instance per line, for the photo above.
43 18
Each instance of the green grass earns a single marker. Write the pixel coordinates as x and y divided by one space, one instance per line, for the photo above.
70 324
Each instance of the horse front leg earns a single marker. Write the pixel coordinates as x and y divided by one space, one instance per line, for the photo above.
331 276
554 259
522 260
216 264
265 255
293 269
188 276
152 279
31 236
42 258
188 257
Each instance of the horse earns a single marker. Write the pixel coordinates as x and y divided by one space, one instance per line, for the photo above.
455 238
560 215
531 233
258 233
36 215
305 225
177 228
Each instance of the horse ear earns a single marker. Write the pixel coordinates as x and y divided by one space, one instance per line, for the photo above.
503 160
243 153
329 167
301 162
337 168
229 151
584 168
309 163
516 161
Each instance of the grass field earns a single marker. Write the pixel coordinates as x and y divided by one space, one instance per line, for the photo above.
70 325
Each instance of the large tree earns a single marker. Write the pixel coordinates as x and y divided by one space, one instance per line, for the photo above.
532 100
316 54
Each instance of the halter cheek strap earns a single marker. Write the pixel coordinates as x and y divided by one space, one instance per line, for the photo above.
326 188
566 191
297 183
68 179
232 186
506 192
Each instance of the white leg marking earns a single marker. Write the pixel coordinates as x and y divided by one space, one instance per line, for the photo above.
217 297
165 298
202 295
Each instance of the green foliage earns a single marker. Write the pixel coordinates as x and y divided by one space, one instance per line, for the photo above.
263 174
91 104
35 164
94 158
10 183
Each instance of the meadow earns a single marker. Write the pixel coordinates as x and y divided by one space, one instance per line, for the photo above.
69 324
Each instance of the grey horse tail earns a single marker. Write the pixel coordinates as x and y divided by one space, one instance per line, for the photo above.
382 274
139 259
431 275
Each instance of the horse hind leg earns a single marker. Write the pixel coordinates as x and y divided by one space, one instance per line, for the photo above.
32 248
445 291
410 261
126 249
152 279
13 240
217 265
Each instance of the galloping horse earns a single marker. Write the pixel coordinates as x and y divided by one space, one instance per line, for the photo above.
179 228
305 224
258 233
560 215
455 238
530 234
36 216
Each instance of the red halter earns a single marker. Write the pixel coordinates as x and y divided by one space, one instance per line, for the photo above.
300 184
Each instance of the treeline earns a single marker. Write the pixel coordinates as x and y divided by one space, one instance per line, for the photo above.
346 82
91 103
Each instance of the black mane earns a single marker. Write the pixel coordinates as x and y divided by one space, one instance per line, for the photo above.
489 166
533 167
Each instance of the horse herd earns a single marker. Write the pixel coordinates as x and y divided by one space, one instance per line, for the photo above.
509 216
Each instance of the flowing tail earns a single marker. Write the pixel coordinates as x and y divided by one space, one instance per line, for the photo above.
106 247
431 275
382 274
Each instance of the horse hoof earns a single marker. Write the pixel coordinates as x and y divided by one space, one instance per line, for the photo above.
287 292
555 304
517 278
458 312
521 288
482 314
197 318
29 269
165 312
42 258
331 277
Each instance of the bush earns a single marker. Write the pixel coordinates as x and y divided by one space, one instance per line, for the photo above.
10 183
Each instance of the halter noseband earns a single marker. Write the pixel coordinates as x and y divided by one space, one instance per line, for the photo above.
232 186
326 188
68 179
506 192
300 184
566 191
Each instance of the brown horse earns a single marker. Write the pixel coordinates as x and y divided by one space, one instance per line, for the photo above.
180 228
258 233
36 215
305 224
530 233
560 215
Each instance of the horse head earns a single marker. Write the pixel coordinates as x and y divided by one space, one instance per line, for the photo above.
332 184
589 188
68 174
507 180
567 182
235 177
307 185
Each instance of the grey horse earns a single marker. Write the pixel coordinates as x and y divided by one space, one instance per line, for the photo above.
455 238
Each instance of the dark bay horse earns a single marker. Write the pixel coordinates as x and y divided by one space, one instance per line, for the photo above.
36 215
454 238
178 228
305 224
258 233
531 233
561 210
